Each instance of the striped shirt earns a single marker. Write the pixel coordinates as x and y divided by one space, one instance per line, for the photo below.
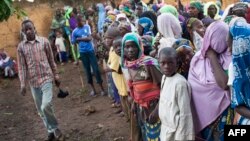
36 62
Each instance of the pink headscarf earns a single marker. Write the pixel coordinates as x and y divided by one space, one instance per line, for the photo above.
208 99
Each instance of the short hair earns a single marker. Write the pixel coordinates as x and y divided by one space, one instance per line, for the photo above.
27 21
168 51
117 39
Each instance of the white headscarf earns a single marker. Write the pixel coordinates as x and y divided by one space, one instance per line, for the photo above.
169 26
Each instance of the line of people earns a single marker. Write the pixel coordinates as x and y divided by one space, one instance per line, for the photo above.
175 72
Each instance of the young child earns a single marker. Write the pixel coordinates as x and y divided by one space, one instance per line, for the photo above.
61 50
119 78
7 64
174 106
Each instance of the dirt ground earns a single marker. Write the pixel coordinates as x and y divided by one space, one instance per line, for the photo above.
19 120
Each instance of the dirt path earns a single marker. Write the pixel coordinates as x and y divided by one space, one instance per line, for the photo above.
19 120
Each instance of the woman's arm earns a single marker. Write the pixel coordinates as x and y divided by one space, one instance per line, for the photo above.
244 111
221 77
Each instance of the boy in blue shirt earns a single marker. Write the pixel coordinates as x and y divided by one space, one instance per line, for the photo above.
82 36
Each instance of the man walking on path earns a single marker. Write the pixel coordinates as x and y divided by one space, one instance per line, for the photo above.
36 64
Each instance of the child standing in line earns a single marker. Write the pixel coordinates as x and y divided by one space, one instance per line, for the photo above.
61 49
119 78
174 106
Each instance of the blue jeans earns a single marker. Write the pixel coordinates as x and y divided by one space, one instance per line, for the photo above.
89 60
43 100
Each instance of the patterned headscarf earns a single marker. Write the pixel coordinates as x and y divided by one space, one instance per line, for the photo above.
147 25
142 59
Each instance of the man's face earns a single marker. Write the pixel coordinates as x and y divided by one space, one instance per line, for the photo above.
80 22
193 11
138 11
29 31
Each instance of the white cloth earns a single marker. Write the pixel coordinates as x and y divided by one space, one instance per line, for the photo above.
230 74
60 43
198 41
175 110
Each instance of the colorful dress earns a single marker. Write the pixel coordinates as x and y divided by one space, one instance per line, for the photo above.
144 84
240 31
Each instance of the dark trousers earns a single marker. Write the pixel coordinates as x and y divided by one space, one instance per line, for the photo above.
89 60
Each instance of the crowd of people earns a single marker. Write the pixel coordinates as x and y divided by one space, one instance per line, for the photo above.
176 72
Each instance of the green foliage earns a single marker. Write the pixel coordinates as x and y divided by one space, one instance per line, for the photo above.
7 9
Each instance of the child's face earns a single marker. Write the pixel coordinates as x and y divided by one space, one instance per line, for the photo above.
117 48
108 41
131 50
58 34
168 64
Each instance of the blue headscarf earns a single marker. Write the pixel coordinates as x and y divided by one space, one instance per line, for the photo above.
101 16
240 31
147 25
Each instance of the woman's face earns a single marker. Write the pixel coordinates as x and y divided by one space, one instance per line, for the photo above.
193 12
131 50
199 28
212 11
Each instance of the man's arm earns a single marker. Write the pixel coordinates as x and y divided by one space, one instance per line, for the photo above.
22 66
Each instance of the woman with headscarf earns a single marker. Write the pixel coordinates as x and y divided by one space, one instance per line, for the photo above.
123 18
101 17
144 84
152 16
208 79
147 42
124 27
185 53
212 10
145 27
196 32
195 10
170 29
169 9
239 34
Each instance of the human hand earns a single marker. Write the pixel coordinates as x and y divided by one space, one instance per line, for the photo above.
23 91
57 81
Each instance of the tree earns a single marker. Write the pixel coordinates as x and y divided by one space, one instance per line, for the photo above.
7 9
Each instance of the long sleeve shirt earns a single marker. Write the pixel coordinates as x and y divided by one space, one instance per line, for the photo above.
36 62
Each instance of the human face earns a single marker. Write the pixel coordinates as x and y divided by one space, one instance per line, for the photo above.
117 47
138 11
29 31
168 64
199 28
80 22
108 41
193 12
212 11
140 30
123 31
131 50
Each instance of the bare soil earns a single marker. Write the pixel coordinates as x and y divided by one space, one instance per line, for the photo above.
19 120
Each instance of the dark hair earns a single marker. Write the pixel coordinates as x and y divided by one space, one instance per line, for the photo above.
27 21
117 39
168 51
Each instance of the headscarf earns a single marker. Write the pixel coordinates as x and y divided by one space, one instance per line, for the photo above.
147 42
151 15
147 26
126 25
240 31
142 59
101 17
122 15
191 21
207 5
112 31
198 5
226 12
209 101
111 15
168 26
169 9
207 21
